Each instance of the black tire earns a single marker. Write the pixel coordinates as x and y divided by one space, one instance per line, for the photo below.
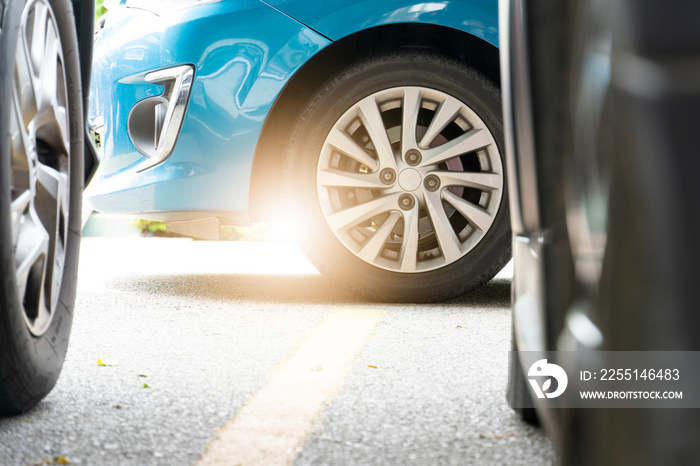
29 363
317 119
517 392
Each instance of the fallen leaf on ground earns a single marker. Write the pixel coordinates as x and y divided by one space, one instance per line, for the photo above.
373 367
146 385
142 375
56 460
106 364
459 326
117 406
500 436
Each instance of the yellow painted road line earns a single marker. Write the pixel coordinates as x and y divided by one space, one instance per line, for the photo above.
274 424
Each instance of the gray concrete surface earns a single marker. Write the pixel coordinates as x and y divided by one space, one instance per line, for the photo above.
203 325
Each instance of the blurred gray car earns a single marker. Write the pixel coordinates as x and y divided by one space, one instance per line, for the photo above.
601 102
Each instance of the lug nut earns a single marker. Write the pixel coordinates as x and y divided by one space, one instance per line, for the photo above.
432 183
413 157
364 169
388 176
406 201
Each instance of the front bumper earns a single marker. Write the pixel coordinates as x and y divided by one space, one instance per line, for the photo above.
242 53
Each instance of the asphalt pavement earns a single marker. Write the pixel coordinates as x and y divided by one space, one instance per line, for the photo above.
193 334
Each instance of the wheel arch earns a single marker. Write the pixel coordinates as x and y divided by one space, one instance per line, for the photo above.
266 173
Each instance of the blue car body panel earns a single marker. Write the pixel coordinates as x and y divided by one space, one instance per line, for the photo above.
336 19
244 52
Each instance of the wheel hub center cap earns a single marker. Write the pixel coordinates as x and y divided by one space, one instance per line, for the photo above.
409 179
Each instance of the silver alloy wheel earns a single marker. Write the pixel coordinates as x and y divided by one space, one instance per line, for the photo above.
410 179
40 145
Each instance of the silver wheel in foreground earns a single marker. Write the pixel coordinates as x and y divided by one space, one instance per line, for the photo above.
410 179
40 145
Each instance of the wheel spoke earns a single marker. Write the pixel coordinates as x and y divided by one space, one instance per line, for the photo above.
448 240
52 124
31 257
347 146
354 215
409 122
479 180
477 216
340 178
24 85
22 149
445 114
54 182
48 74
375 243
61 114
31 250
18 209
39 29
408 257
372 120
470 141
52 207
52 204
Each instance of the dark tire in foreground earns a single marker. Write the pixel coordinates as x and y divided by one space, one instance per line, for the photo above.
41 169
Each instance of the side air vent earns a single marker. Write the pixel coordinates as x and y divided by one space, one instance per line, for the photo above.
154 123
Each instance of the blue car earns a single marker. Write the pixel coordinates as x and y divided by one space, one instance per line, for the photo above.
372 127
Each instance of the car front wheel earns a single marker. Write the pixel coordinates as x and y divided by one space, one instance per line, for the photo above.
396 166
